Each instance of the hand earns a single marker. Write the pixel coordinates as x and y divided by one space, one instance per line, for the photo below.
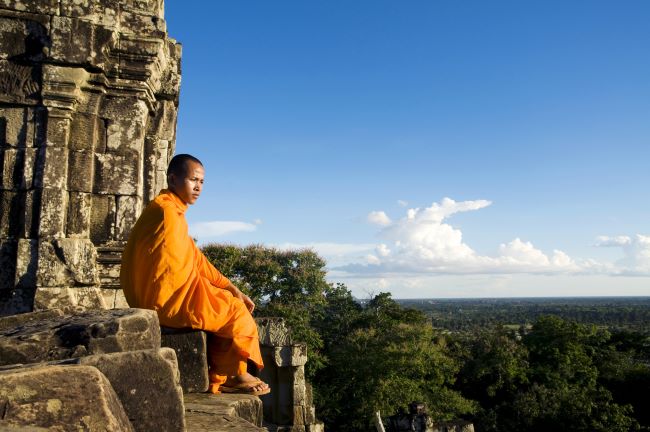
248 302
236 292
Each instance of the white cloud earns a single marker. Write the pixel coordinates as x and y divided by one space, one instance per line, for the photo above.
636 251
379 218
422 242
402 203
203 230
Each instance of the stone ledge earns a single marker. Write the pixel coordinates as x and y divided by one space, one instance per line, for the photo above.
191 351
231 412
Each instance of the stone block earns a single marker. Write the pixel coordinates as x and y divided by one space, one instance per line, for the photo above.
11 211
17 168
16 125
141 24
292 355
128 211
12 321
125 125
79 213
81 171
85 132
21 38
273 332
163 123
191 351
246 407
55 167
57 397
79 256
58 130
26 263
8 250
78 335
31 164
53 203
108 296
102 218
118 174
10 170
147 384
104 13
19 84
48 7
70 300
65 262
77 41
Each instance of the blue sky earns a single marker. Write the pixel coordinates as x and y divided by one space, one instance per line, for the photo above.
427 148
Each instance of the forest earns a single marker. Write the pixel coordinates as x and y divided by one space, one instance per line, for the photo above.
520 364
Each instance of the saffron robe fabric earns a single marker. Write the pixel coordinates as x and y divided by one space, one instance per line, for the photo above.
162 269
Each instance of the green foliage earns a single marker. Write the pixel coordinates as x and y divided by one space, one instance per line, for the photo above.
361 359
390 358
550 380
541 373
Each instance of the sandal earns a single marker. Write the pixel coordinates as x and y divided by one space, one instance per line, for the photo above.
245 388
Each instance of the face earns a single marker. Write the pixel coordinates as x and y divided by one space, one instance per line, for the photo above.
188 188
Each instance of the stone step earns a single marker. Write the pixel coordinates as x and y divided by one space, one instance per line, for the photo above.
223 412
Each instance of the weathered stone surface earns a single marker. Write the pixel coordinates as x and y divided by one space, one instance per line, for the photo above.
198 421
117 173
246 407
71 336
67 262
273 332
83 85
82 164
12 321
147 384
26 263
191 350
102 218
79 213
114 298
64 398
128 211
292 355
52 213
71 300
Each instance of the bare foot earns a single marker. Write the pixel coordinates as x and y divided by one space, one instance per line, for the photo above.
247 383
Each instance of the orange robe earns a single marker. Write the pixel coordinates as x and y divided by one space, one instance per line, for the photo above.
162 269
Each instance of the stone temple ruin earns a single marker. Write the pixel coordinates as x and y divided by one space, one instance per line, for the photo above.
88 103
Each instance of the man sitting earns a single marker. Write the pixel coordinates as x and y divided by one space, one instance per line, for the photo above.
162 269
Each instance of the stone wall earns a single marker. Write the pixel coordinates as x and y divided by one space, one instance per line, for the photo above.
88 102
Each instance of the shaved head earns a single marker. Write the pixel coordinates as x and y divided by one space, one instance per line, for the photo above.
178 164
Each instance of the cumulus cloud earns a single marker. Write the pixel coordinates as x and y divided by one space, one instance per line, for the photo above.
211 229
423 242
636 251
378 218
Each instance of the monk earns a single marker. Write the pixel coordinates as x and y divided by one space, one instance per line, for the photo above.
162 269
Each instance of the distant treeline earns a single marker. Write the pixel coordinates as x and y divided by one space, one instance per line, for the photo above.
631 313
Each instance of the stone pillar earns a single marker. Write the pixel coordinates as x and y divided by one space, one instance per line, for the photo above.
289 407
88 102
